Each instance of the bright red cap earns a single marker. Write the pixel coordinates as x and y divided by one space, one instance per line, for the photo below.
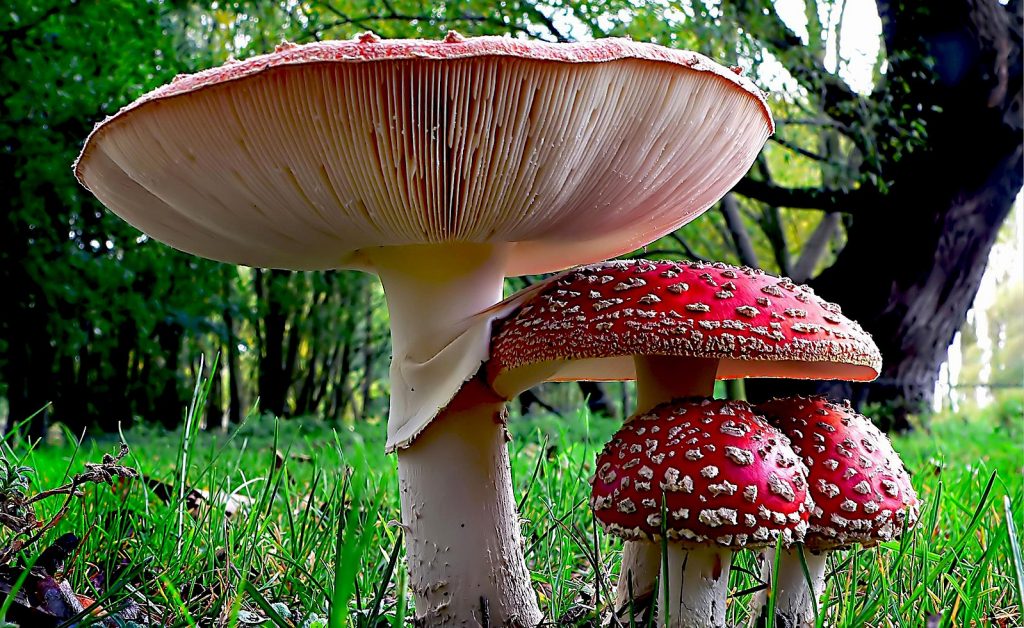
862 492
727 477
588 323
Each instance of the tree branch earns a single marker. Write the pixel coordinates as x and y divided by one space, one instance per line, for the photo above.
391 15
545 21
796 57
815 247
799 150
854 201
738 231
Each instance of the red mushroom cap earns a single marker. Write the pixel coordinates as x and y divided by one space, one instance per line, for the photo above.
589 322
727 477
862 492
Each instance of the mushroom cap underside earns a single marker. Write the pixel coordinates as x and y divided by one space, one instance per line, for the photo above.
567 153
588 323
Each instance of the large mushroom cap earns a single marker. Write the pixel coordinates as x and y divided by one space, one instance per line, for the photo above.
300 158
862 492
588 324
726 477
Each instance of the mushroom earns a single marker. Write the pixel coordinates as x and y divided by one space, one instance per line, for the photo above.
675 328
861 491
441 166
712 477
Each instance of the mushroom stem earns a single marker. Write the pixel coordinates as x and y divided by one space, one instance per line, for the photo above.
641 561
434 293
794 601
658 379
698 584
662 378
463 543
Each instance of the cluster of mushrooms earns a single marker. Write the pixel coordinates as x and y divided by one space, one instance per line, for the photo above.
711 477
444 167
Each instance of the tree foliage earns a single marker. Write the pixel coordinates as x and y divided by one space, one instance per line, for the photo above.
108 325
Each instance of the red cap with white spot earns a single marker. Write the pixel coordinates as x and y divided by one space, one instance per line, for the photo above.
862 492
588 323
726 477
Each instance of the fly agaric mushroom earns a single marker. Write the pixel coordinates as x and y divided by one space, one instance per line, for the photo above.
441 166
713 478
675 328
861 491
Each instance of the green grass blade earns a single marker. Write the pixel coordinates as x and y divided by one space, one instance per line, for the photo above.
776 562
1017 563
265 606
388 573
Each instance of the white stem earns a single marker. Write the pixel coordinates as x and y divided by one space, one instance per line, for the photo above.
463 543
641 562
664 378
795 601
658 379
698 585
434 290
434 294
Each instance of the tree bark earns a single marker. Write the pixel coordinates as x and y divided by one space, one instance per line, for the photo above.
738 231
597 400
916 263
915 257
273 383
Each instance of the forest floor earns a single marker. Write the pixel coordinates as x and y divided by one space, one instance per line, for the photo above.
166 546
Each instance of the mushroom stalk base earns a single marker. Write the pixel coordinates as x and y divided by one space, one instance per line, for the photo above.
641 561
463 543
698 584
794 604
658 379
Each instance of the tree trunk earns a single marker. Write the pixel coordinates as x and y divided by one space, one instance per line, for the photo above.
596 398
369 358
915 257
234 370
169 405
273 388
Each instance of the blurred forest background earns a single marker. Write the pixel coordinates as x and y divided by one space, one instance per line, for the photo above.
896 163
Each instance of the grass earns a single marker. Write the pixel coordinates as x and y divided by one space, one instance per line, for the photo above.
317 498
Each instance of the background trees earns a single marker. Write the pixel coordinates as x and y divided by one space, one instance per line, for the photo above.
884 187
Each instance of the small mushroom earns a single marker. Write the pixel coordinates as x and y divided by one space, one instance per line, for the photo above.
861 491
713 478
675 327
